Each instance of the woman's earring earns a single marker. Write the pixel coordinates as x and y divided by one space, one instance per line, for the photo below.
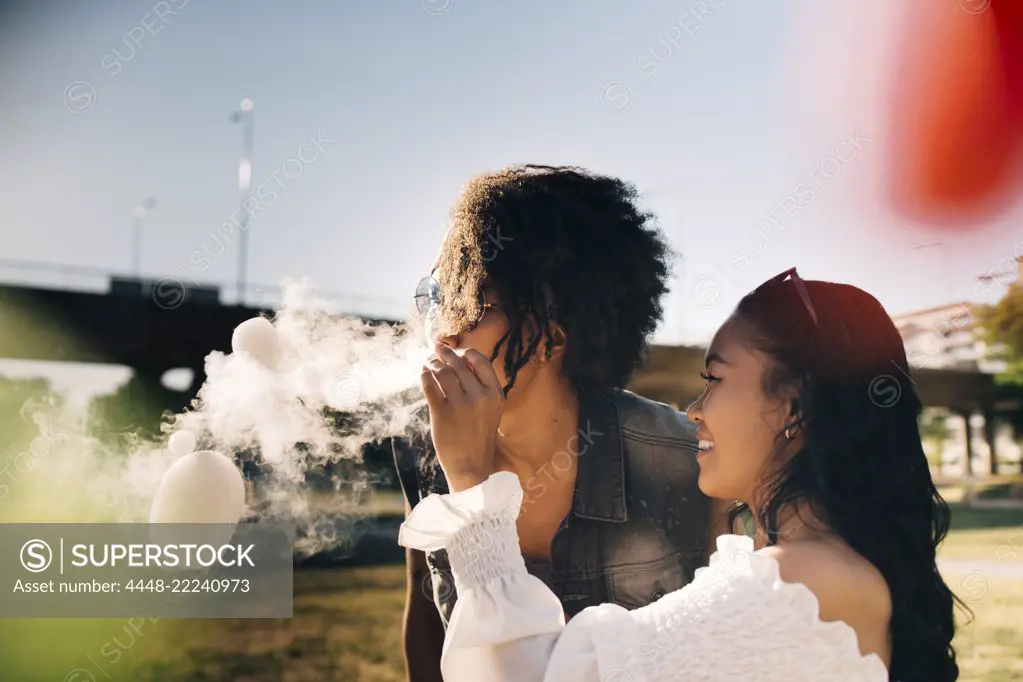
789 433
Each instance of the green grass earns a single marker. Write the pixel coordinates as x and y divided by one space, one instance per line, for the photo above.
987 545
984 535
991 647
347 627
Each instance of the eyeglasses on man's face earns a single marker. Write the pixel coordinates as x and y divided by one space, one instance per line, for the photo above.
429 300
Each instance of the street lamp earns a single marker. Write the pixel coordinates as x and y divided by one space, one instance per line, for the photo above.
244 116
138 215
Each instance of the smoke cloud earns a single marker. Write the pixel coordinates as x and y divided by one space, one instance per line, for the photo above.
301 393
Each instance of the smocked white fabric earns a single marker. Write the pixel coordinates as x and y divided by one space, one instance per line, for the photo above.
735 621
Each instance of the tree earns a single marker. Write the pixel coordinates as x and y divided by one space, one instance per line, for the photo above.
19 399
131 412
1000 326
934 431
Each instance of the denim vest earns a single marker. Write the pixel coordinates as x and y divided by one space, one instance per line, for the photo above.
637 528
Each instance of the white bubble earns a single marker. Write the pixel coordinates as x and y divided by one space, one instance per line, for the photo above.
203 487
258 339
181 443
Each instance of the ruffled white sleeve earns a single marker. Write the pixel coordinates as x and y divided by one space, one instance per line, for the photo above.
736 620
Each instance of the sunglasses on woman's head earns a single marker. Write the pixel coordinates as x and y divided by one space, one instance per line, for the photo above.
800 287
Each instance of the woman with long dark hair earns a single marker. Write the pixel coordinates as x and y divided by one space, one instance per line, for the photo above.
809 420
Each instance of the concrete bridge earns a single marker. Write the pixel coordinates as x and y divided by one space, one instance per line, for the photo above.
149 325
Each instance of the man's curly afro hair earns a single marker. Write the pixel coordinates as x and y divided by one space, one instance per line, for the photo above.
563 245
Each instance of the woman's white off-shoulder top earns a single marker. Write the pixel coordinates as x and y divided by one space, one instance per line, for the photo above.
735 621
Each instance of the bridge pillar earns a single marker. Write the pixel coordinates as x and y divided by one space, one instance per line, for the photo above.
968 433
990 435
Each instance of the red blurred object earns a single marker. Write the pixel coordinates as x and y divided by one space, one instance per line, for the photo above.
958 110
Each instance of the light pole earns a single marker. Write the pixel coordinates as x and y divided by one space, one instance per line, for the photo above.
138 215
244 116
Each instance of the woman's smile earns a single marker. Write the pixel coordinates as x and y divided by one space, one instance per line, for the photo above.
706 448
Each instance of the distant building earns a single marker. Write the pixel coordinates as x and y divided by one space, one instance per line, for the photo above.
946 339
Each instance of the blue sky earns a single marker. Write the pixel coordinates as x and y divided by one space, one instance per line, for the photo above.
723 112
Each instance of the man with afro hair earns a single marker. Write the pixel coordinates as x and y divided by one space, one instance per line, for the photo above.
556 275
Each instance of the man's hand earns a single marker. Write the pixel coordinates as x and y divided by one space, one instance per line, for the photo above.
466 402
